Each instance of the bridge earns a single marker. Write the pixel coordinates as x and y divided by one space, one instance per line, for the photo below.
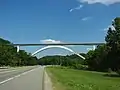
83 43
59 45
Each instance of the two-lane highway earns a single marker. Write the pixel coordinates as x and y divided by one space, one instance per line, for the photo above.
28 78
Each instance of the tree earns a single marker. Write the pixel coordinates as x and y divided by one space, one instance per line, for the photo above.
9 56
72 61
113 42
96 59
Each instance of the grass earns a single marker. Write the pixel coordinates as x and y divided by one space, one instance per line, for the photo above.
70 79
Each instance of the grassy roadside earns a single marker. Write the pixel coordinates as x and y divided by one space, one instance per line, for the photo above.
55 81
69 79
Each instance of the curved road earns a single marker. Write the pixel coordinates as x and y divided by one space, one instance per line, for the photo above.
26 78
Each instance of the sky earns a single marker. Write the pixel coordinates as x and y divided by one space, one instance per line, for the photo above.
55 21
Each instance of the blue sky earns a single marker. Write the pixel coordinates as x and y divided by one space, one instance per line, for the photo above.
30 21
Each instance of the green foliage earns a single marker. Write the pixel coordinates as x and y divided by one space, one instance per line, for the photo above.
10 57
79 67
107 56
2 41
113 41
72 61
96 59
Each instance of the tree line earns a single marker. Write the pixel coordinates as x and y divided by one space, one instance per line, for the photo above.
72 61
10 57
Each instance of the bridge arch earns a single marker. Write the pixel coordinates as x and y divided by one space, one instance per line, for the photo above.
63 47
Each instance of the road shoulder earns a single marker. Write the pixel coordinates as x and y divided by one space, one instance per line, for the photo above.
47 82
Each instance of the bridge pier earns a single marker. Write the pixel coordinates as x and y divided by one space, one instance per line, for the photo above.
18 48
94 47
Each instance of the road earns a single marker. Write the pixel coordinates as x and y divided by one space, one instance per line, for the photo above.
26 78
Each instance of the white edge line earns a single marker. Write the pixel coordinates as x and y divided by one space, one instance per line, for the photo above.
16 76
8 71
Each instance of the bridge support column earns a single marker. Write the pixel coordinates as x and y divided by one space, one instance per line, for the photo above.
18 48
94 47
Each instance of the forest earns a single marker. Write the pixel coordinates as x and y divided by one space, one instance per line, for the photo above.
10 57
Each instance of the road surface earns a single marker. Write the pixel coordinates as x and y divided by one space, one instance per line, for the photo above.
26 78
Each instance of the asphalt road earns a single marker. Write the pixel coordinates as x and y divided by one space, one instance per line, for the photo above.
26 78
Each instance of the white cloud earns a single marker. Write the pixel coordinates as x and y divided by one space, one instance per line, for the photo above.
47 41
76 8
85 18
51 41
105 2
